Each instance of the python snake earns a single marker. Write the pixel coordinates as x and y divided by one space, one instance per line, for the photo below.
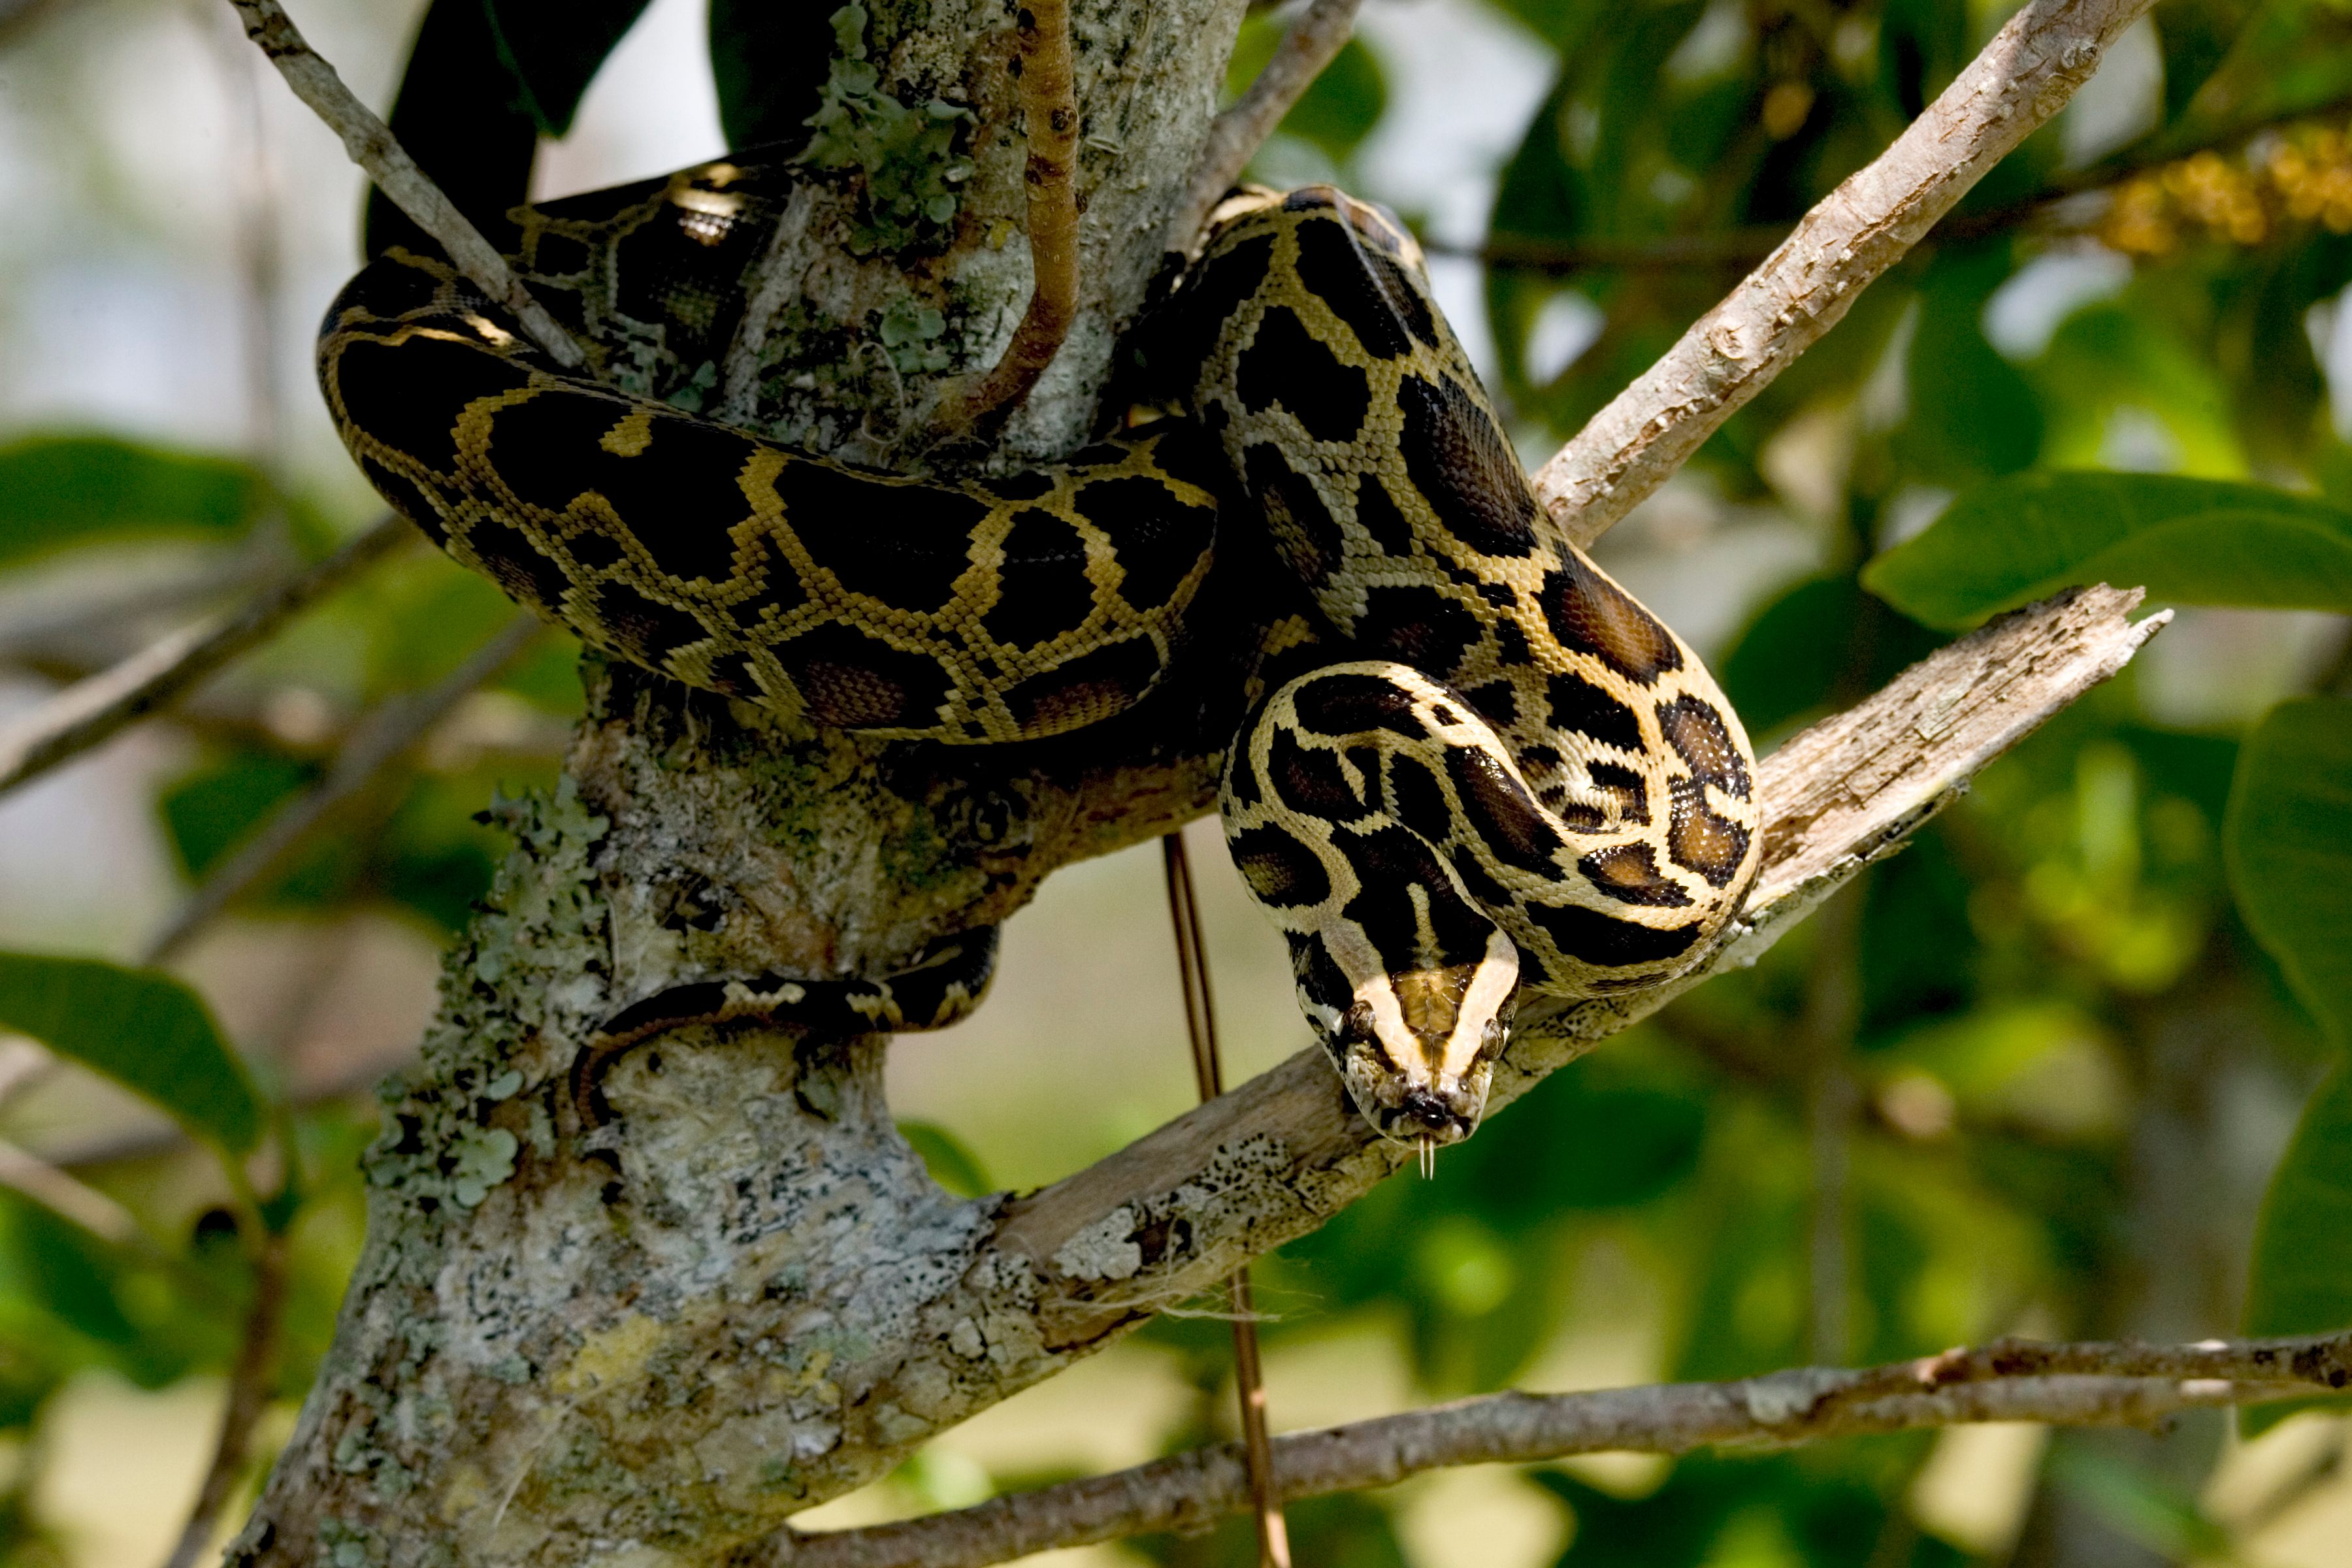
1473 766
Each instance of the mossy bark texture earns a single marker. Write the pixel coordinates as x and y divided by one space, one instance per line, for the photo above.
650 1336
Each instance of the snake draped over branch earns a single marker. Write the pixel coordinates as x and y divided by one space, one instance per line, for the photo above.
1472 765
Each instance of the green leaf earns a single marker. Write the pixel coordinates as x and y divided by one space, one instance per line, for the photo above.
144 1030
554 46
2190 541
769 63
2301 1280
62 490
951 1165
2287 839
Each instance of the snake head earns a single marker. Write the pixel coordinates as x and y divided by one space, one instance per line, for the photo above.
1417 1048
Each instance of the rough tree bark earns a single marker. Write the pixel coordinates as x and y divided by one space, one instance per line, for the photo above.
653 1341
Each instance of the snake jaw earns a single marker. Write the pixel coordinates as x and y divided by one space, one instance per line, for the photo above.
1417 1050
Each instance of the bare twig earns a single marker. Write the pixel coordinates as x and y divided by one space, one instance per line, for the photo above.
375 744
1050 106
1208 1073
1312 42
371 145
2069 1384
62 1194
1805 287
249 1384
93 709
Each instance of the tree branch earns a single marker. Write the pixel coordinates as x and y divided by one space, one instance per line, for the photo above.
376 742
1312 42
371 145
1805 287
248 1395
2068 1384
1049 106
102 705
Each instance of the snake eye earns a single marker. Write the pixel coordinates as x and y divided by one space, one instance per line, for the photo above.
1496 1033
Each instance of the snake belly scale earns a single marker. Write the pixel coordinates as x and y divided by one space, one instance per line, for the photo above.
1473 766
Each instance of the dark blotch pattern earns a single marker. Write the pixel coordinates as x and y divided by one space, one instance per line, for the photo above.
1419 627
1418 800
1280 870
1696 730
1309 780
1338 271
1597 939
1377 514
1300 522
1629 873
1464 468
1577 704
1700 840
1351 704
903 544
1159 539
1094 685
1633 799
1044 591
1592 615
1502 813
407 499
854 680
647 628
516 565
409 397
1286 364
1392 863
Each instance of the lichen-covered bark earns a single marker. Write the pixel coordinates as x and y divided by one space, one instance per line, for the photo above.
650 1340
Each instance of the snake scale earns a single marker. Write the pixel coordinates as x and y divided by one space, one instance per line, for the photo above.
1473 766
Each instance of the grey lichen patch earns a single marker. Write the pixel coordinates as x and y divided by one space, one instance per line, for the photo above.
531 968
907 151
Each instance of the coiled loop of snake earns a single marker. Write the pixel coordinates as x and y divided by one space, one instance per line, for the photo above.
1473 766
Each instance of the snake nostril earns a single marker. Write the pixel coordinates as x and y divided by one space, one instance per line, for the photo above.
1426 1109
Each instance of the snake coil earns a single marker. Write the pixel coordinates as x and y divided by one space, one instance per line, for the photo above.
1473 766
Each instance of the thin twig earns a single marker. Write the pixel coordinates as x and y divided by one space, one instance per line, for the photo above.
249 1382
62 1194
1312 42
371 145
1208 1074
1746 245
1804 288
1049 104
94 709
377 742
2069 1384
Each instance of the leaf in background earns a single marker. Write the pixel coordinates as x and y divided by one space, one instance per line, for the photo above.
952 1165
2300 1281
62 490
1339 110
208 812
2287 840
2192 542
144 1030
1972 415
554 46
486 79
769 63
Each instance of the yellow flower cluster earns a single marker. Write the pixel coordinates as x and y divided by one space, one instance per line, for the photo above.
2300 176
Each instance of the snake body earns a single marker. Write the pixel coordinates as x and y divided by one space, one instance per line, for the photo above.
1473 766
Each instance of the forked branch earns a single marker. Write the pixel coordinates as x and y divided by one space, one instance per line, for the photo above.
2010 1380
1805 287
1313 41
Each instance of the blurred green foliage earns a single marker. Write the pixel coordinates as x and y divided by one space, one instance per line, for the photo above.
2046 1018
